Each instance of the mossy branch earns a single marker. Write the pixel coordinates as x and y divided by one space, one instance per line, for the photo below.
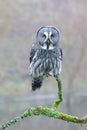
60 98
50 112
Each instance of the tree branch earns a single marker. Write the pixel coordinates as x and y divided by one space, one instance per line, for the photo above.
60 98
50 112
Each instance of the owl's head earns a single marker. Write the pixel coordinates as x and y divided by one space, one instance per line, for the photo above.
48 38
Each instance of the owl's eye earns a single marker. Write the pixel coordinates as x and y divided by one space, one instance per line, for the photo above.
44 36
52 35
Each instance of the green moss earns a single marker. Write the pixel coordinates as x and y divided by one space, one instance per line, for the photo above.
50 112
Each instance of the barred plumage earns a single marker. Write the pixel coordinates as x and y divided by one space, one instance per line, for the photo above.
36 83
44 61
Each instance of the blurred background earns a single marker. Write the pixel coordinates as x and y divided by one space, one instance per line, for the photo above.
19 22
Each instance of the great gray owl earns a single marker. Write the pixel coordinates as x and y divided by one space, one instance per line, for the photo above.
45 56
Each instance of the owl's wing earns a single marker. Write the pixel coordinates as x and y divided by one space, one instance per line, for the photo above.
32 53
60 54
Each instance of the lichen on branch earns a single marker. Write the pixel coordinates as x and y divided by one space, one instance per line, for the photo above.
49 112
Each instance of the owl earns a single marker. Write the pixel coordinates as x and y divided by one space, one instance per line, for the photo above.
45 56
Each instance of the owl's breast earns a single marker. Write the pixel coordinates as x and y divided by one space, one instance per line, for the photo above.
50 62
44 63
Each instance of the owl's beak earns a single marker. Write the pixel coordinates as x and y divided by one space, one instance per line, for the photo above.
48 41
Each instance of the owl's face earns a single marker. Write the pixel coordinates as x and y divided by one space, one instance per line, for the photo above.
48 38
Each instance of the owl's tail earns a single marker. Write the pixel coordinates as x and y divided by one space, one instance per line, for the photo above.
36 83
